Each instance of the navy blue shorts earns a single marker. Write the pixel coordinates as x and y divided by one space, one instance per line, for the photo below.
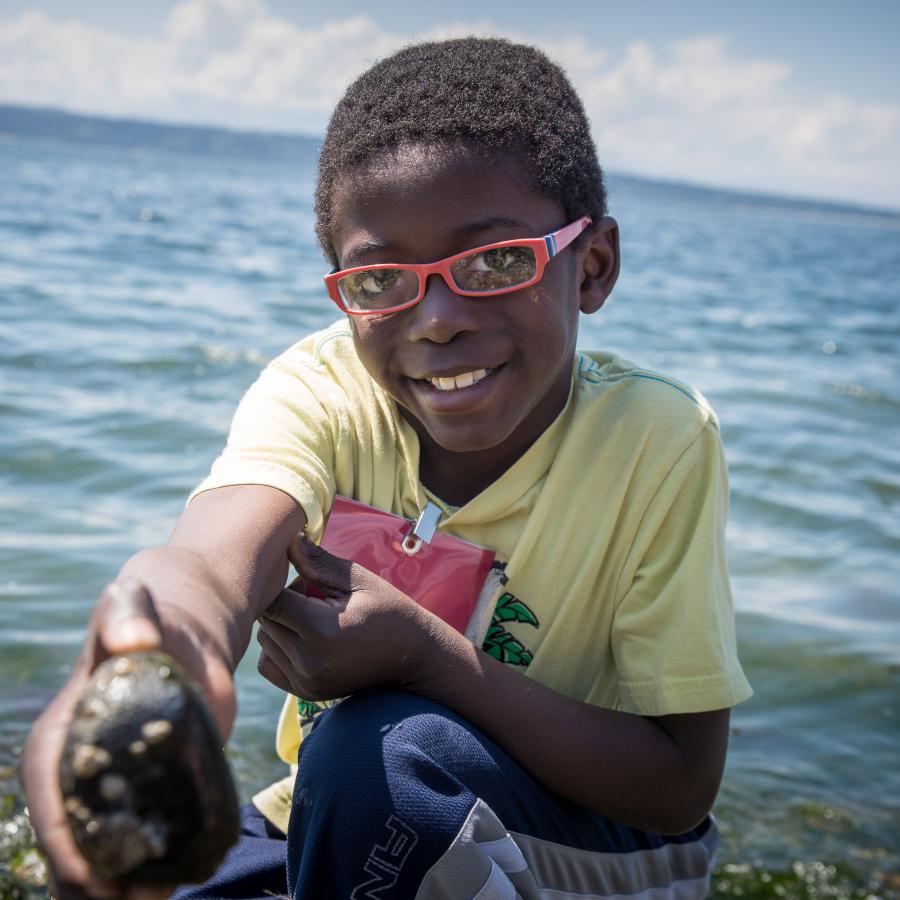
398 797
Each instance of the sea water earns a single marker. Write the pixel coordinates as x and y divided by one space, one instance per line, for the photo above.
142 292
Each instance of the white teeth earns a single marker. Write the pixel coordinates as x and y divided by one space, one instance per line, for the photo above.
455 382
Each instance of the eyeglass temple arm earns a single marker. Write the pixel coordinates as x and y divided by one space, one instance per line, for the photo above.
561 239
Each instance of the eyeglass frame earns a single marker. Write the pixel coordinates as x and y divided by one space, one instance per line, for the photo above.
544 248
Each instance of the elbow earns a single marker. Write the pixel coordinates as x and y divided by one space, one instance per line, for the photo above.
679 821
688 776
687 809
675 821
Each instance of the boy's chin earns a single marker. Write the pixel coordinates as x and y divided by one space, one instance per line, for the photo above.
467 442
460 439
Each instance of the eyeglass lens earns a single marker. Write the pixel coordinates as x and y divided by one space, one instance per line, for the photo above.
379 288
493 270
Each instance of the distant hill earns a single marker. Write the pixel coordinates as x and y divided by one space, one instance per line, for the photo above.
36 122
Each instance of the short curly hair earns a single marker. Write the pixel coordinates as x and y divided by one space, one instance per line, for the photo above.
485 94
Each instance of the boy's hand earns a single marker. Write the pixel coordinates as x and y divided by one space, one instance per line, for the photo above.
364 633
125 620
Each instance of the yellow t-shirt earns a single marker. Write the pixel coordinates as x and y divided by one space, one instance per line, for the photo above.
611 526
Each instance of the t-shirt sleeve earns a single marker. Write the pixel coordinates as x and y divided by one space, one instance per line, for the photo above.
282 436
673 633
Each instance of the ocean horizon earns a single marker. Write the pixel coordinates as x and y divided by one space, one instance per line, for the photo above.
59 124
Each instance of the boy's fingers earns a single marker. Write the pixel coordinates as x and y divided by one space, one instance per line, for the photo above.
74 881
289 609
274 663
297 614
266 667
128 619
271 631
320 567
299 584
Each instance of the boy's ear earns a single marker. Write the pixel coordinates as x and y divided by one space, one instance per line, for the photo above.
599 264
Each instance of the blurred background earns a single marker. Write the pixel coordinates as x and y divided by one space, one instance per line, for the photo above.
157 163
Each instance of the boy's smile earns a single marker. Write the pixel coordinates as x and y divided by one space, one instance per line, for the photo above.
478 378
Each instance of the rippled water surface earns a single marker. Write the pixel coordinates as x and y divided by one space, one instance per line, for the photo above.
141 293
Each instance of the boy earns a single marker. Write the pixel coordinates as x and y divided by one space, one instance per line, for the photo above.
595 719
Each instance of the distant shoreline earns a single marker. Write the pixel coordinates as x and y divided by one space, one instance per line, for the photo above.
127 133
49 123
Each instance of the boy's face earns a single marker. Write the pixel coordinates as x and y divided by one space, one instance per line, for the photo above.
421 205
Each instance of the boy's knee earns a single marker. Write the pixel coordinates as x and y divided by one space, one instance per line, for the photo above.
350 735
392 744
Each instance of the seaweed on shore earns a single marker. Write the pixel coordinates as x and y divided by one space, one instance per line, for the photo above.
22 870
815 880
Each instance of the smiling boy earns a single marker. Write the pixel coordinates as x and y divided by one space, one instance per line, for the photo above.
579 750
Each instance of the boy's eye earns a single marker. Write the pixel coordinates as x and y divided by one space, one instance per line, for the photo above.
497 260
377 280
361 288
495 269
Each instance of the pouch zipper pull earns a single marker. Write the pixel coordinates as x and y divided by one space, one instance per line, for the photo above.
423 530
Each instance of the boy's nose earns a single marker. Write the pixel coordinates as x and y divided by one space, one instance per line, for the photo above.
441 315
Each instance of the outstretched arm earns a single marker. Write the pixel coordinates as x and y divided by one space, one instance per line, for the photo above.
196 598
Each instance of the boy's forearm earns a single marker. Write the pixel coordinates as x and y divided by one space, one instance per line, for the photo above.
184 586
225 562
659 775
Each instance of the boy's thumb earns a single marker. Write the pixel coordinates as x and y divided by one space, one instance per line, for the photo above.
128 620
318 566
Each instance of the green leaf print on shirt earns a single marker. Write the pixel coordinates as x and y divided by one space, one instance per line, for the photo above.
307 710
498 642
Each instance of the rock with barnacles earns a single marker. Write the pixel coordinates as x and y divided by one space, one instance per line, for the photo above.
147 790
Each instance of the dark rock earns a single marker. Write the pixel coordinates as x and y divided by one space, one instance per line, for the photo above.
147 789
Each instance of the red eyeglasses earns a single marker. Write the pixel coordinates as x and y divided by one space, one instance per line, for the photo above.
483 272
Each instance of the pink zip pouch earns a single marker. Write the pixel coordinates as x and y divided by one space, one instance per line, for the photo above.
441 572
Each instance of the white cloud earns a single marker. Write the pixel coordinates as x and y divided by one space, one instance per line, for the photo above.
691 109
694 111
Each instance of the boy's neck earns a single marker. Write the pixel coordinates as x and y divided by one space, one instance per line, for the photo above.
454 487
458 478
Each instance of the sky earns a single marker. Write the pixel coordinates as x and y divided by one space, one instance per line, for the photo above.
799 98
